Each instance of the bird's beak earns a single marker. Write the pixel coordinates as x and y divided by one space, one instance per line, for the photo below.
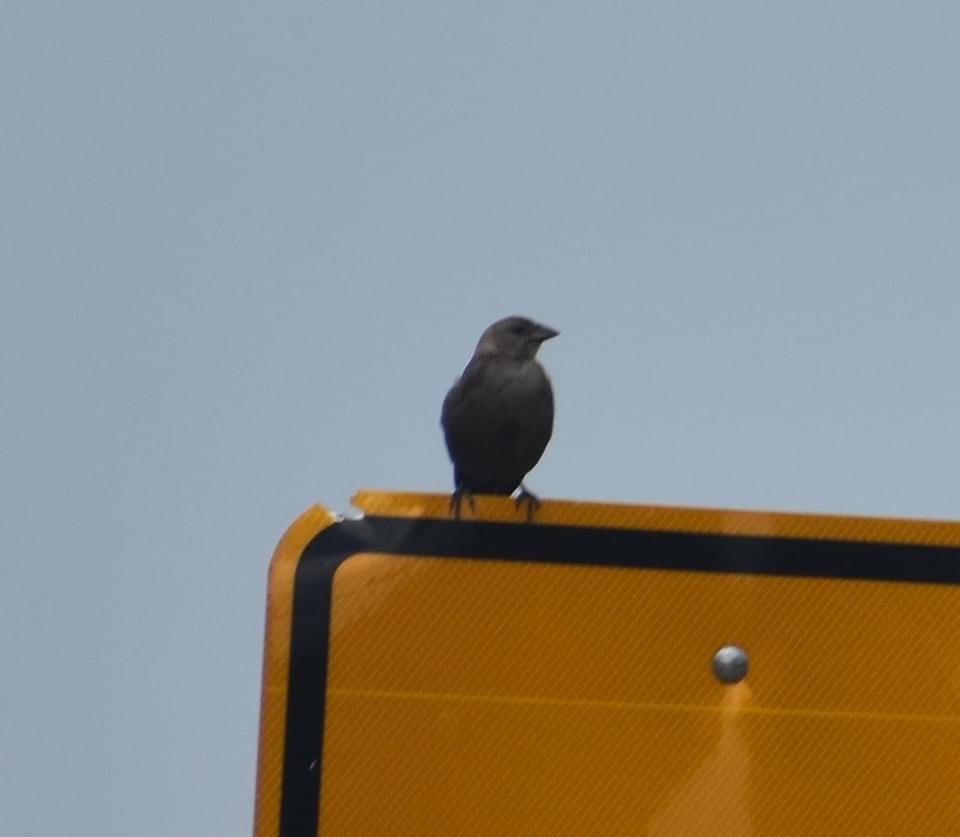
543 332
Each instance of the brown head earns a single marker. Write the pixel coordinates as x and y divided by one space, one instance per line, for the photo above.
514 337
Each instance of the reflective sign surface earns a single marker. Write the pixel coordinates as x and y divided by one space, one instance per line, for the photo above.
492 677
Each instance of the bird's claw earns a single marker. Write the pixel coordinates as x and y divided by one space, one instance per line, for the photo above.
456 501
530 500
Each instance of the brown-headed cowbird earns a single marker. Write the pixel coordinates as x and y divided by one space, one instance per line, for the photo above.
498 417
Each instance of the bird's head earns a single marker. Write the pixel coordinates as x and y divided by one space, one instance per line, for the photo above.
514 337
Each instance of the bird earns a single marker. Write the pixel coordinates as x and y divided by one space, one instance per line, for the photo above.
498 416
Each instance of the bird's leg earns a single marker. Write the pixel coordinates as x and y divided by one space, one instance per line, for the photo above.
530 500
456 501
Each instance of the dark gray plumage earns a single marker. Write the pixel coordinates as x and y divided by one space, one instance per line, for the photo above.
498 417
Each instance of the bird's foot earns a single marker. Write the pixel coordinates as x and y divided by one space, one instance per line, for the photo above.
456 501
528 499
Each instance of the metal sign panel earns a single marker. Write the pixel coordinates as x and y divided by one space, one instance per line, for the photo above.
488 676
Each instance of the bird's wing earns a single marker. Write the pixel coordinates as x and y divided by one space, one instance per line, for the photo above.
497 420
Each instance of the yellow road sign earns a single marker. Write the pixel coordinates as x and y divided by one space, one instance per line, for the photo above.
486 676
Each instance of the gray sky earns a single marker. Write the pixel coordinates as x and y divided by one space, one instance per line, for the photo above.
246 248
